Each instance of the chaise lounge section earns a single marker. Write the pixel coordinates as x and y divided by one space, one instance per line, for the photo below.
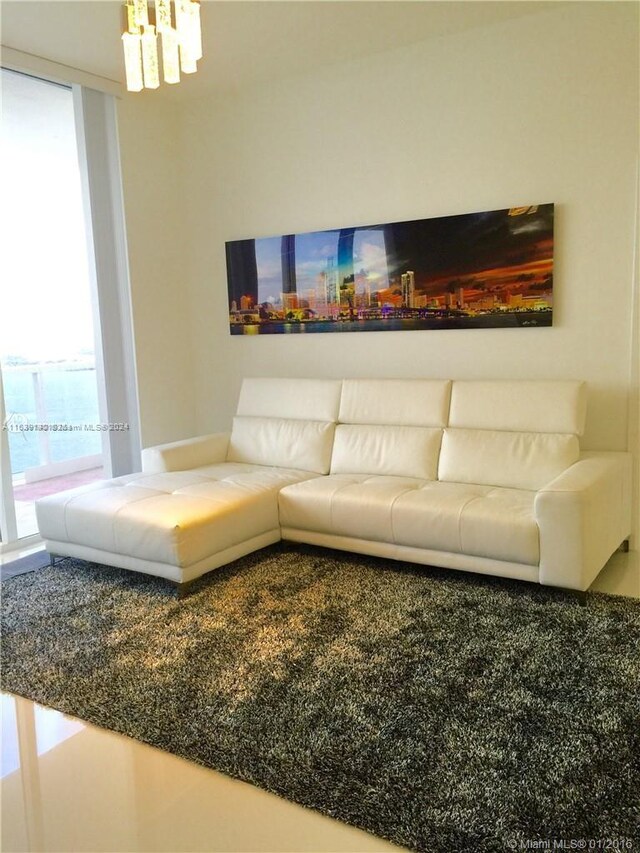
482 476
204 502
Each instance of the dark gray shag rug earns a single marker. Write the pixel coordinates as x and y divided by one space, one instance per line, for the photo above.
445 712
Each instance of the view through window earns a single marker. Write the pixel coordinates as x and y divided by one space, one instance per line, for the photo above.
46 319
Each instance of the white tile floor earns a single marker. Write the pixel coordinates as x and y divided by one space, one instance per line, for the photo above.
68 786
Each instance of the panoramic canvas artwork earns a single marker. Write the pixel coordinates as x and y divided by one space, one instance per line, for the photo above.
471 271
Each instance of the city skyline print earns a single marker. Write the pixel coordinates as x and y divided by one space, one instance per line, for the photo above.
475 270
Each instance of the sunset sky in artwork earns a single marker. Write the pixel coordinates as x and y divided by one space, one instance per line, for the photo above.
497 252
516 277
485 251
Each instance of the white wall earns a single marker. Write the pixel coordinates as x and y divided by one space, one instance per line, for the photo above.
151 174
539 109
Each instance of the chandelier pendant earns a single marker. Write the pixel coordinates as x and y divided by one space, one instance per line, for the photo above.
177 24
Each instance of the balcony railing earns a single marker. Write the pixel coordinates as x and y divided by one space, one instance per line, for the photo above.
51 413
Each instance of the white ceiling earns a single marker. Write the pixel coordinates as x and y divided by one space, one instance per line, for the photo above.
248 41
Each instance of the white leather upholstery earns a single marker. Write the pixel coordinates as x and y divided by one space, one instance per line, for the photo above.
584 515
303 399
514 460
182 455
346 504
177 518
511 498
422 556
524 406
172 572
486 522
405 402
253 476
396 450
282 442
483 521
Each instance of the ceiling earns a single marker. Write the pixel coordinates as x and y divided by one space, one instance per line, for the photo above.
248 41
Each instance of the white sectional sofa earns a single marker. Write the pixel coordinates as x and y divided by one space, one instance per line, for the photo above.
484 476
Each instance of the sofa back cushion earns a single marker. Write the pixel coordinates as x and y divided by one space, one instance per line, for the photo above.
300 399
401 402
513 460
400 451
282 442
523 406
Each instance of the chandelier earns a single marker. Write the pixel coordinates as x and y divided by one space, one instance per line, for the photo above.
178 25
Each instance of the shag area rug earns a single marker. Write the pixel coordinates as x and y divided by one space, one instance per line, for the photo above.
443 711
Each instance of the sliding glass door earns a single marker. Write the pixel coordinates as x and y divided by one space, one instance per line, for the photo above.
68 393
52 438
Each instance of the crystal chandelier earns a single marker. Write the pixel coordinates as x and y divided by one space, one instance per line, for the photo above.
178 25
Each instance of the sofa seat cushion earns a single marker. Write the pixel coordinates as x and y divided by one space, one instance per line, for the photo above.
483 521
176 518
254 476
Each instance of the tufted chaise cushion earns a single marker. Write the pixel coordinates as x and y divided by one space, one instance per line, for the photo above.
176 518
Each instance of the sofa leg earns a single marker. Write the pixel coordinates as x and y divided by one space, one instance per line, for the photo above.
182 589
578 595
52 559
624 547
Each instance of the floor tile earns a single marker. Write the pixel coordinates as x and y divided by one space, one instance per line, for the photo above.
69 786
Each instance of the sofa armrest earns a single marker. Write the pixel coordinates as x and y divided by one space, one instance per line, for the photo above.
583 516
183 455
